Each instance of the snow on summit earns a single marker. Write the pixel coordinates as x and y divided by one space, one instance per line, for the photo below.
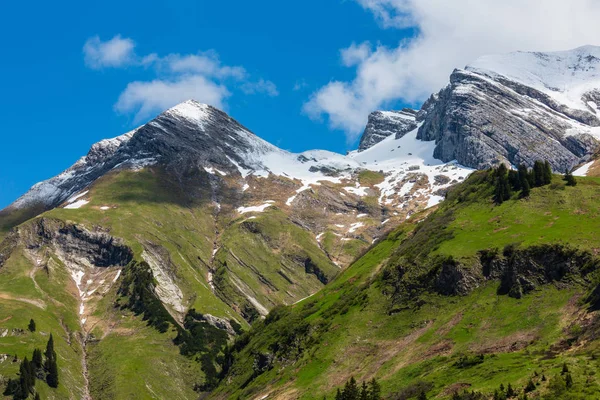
565 76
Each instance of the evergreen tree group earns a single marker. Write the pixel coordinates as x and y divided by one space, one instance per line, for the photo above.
51 364
506 181
367 391
24 386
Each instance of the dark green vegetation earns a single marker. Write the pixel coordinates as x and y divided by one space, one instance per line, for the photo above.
477 300
37 369
351 391
522 180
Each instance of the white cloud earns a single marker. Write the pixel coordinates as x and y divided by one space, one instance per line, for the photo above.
146 98
355 54
179 77
116 52
261 86
449 34
207 64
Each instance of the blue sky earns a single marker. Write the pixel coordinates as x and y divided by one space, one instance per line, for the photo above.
53 106
301 75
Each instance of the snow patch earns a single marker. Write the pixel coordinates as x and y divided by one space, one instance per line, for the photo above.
261 208
583 170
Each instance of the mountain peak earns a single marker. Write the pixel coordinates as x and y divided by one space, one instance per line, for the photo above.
191 110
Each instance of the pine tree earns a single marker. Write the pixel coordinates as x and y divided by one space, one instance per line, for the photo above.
530 386
26 380
364 392
569 380
351 391
50 353
510 392
36 359
547 173
569 178
565 369
338 395
37 396
422 396
52 377
538 168
514 180
543 378
502 190
374 390
51 364
31 326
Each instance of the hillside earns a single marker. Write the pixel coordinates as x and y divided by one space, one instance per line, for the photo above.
509 282
189 257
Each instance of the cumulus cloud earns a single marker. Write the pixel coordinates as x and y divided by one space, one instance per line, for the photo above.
116 52
448 35
207 64
355 54
179 77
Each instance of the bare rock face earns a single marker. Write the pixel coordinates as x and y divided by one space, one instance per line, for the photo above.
518 108
481 123
386 123
514 108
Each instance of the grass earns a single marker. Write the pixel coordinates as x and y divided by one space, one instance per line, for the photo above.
351 332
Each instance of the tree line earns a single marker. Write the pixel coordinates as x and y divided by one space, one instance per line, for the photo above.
352 391
43 366
523 179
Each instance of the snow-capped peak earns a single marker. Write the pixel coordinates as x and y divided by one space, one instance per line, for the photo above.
190 110
565 76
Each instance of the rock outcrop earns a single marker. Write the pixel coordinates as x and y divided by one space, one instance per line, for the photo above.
382 124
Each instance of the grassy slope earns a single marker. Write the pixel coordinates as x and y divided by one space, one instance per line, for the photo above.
146 207
269 248
351 334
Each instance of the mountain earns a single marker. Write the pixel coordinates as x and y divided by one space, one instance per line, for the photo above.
190 256
471 296
193 223
517 108
382 124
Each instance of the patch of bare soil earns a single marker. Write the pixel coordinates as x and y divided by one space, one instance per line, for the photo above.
507 344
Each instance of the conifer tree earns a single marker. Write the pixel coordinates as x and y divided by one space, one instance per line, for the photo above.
568 380
338 395
510 392
36 359
547 173
374 390
538 168
351 391
530 386
364 392
51 364
31 325
569 178
26 380
514 180
502 190
422 396
565 369
37 396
